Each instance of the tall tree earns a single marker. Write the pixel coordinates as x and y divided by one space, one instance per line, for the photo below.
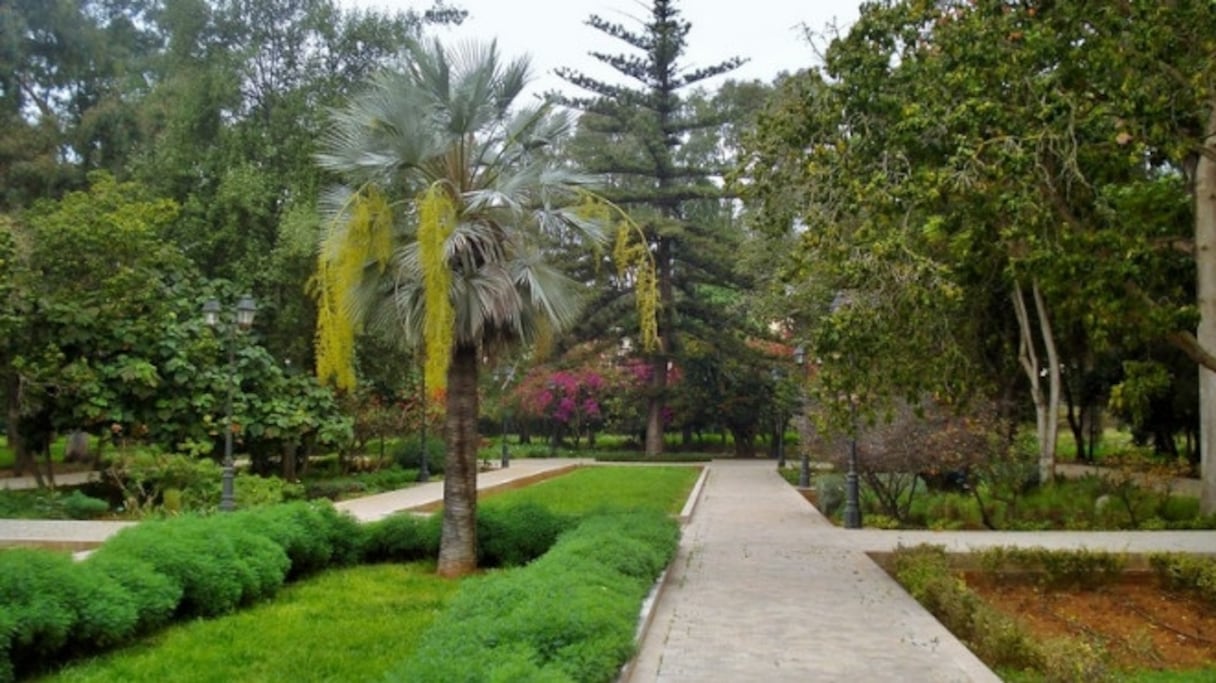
642 127
1038 150
441 239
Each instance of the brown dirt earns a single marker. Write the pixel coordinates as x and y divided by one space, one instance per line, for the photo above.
1140 624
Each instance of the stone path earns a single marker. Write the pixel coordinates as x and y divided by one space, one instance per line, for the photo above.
71 535
765 589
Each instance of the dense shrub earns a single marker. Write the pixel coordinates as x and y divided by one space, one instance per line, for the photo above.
924 571
314 536
154 595
216 568
1188 572
568 616
407 454
77 505
402 537
1082 568
52 607
509 536
51 604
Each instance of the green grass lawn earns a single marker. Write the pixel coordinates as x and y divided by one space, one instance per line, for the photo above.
651 488
355 624
344 625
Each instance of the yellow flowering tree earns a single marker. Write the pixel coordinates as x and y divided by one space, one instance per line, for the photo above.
441 237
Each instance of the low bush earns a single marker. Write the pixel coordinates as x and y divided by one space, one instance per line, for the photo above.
52 607
568 616
77 505
513 535
1187 572
216 568
407 454
1082 568
924 571
402 537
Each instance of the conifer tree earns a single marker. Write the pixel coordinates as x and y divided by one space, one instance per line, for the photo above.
644 123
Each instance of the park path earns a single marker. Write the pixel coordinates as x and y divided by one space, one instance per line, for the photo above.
764 588
77 536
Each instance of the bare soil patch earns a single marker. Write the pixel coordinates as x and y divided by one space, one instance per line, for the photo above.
1141 624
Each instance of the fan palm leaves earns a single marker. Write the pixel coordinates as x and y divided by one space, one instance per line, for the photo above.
440 237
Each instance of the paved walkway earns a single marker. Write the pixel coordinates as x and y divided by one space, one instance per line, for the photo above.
72 535
765 589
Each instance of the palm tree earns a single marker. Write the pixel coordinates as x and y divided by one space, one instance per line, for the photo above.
468 195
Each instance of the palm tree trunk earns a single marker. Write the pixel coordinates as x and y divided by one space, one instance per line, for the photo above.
458 543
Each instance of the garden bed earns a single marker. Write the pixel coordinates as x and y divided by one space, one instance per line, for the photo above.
1141 624
1034 614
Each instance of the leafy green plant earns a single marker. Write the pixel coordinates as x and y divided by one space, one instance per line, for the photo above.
1188 572
77 505
570 615
1084 568
407 454
1000 641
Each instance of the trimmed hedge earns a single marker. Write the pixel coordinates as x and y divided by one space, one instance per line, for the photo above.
52 607
507 536
569 616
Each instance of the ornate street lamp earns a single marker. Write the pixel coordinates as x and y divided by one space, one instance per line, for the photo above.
245 310
804 470
852 503
552 387
506 377
779 418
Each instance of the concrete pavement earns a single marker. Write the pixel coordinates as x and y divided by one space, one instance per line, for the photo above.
755 595
80 535
764 588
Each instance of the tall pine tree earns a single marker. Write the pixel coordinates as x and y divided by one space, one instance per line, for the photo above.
644 123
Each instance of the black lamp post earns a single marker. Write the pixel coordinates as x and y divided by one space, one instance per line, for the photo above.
506 378
804 470
245 309
424 450
552 386
779 419
852 503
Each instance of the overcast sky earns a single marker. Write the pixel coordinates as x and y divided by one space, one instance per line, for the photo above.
769 33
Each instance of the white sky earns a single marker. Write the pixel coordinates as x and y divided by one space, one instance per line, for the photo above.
553 32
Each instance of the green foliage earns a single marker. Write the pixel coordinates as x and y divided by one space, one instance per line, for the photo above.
78 505
349 624
998 640
361 483
215 572
516 533
407 454
568 616
1189 572
403 537
588 489
1067 568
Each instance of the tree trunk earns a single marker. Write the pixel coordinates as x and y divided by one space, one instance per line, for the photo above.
1046 406
657 397
458 543
654 406
1205 294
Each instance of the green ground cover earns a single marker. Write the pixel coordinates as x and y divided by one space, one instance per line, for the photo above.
358 623
348 624
659 488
